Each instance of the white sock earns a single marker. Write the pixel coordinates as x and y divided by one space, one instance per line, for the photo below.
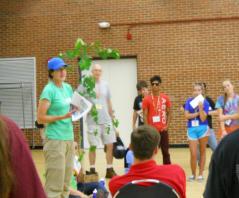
92 166
109 166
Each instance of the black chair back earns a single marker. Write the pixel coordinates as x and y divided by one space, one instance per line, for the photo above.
156 190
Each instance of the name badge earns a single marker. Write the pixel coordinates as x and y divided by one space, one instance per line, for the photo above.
156 119
195 123
68 100
228 122
98 106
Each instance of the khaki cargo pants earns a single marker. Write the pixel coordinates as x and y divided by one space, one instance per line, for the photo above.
59 167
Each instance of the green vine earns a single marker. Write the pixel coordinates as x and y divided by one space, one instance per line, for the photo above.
82 52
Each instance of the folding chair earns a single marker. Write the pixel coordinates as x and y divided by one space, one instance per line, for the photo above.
156 190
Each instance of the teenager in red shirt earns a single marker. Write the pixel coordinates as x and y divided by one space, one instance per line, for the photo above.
144 144
157 113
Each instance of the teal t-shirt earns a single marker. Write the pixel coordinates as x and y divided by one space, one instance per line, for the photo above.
59 98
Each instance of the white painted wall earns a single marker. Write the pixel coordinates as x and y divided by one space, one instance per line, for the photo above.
121 76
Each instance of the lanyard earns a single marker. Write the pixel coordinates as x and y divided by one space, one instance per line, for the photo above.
157 107
195 111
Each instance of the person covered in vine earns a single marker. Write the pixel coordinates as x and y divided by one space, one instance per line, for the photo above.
102 127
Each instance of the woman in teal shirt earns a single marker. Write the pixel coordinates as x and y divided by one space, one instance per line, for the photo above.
54 112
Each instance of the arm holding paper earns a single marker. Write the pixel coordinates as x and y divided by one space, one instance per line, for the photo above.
186 111
42 116
202 106
80 105
191 115
202 113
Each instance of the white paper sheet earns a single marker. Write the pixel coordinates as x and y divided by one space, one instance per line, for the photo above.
81 105
196 100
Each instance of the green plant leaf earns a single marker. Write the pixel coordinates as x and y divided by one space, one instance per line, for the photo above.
109 51
89 82
108 130
92 148
76 52
81 156
79 43
61 55
94 114
85 63
70 54
115 123
115 54
92 94
103 54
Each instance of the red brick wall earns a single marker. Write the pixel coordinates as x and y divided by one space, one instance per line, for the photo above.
183 41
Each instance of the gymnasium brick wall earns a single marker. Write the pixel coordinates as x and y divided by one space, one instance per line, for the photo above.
182 41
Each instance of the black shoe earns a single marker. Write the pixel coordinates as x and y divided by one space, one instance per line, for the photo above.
91 172
110 173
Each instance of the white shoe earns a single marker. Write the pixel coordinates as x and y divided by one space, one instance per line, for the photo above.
200 178
191 178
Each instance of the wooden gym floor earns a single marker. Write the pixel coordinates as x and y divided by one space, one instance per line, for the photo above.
178 155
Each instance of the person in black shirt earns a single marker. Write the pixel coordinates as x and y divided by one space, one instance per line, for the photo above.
212 141
223 178
142 89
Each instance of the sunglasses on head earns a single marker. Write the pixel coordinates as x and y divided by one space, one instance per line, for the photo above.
155 84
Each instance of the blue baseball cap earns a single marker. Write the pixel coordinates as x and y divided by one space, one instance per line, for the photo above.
56 63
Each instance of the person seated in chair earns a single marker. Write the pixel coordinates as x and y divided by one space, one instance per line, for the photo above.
144 144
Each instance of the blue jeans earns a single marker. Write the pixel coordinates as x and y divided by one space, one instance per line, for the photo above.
212 140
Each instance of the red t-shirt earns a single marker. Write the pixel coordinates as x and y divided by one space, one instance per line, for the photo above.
157 110
27 182
173 175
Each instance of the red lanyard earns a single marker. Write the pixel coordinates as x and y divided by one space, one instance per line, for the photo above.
157 107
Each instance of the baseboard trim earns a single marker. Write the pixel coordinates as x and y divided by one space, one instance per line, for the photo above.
171 146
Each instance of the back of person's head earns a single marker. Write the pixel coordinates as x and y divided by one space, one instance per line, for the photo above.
144 141
155 78
6 173
141 84
204 85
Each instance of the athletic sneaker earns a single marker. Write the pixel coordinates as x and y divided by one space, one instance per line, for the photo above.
200 178
110 173
191 178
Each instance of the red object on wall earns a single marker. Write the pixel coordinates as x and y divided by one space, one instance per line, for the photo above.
129 36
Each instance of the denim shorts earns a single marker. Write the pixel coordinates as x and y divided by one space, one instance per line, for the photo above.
198 132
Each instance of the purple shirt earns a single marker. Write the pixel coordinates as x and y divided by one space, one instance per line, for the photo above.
190 109
230 108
